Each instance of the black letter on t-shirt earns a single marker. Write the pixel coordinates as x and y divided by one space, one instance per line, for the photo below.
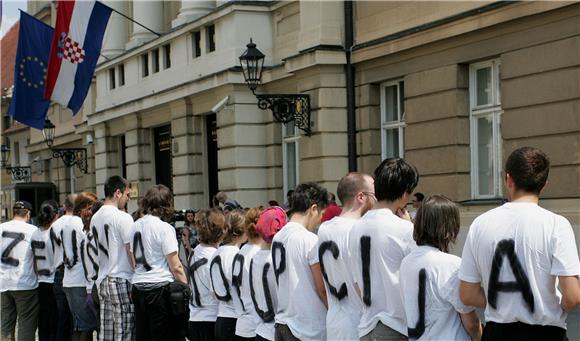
415 333
70 263
101 246
506 247
266 316
237 278
18 237
227 297
39 245
365 254
91 247
331 246
54 239
138 246
198 263
282 263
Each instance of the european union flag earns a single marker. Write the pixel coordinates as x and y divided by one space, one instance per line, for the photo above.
30 67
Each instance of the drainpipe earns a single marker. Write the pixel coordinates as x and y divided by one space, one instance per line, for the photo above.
350 94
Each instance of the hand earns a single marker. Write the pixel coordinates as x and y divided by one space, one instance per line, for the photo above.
404 214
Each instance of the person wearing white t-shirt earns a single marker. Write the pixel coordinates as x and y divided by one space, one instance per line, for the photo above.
220 268
157 265
517 255
378 242
112 230
18 281
248 319
429 282
302 302
74 282
263 289
203 306
356 193
44 268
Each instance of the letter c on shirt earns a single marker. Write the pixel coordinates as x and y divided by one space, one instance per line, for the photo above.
331 246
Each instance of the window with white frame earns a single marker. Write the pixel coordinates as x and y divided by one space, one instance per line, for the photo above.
484 118
290 157
392 119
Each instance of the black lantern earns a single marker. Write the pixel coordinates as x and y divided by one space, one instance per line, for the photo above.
19 172
48 133
5 155
284 107
252 63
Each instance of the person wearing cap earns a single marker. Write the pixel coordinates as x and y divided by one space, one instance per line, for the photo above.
263 287
19 283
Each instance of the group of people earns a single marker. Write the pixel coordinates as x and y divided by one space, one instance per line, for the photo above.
370 273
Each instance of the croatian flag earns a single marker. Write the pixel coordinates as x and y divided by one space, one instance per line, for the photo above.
76 46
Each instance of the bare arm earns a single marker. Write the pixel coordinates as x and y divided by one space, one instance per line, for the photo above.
570 288
472 325
176 267
319 282
472 294
130 255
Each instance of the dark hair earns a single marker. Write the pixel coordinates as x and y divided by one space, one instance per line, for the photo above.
82 201
158 201
210 225
529 168
273 203
69 201
289 193
113 184
437 223
251 219
306 195
235 225
420 196
47 213
393 178
96 206
350 185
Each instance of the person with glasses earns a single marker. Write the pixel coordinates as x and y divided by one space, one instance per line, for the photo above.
356 193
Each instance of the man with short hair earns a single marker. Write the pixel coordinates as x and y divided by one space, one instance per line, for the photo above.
18 281
378 242
517 254
227 203
356 192
301 311
417 201
112 231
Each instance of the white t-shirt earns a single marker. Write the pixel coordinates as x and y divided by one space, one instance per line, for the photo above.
299 306
544 247
264 292
17 263
43 255
112 229
221 280
203 305
90 260
73 238
153 239
55 230
344 304
438 272
383 240
248 319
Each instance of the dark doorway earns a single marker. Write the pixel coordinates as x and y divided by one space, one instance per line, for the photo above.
212 155
163 166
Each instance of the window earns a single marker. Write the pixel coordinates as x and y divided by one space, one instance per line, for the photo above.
111 78
484 117
121 72
166 56
196 44
144 65
155 58
290 157
210 38
392 119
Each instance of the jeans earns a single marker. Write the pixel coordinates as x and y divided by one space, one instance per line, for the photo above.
153 318
384 333
21 305
283 333
48 315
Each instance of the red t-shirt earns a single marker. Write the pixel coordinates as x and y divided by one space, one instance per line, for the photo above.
331 211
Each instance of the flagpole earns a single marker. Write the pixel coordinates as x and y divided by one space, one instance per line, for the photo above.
131 19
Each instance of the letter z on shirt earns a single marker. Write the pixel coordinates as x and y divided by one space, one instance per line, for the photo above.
17 263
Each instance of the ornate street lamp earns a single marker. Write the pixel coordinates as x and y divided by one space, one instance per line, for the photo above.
19 172
69 156
284 107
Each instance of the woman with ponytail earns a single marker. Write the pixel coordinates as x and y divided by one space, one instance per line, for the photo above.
44 268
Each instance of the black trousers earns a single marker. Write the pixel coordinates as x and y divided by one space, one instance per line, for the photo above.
283 333
225 328
64 317
48 314
153 318
201 331
521 331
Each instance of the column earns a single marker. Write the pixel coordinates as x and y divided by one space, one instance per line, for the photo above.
191 10
117 32
138 156
106 157
149 14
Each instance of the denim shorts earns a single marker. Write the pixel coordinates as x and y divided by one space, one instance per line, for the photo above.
84 318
